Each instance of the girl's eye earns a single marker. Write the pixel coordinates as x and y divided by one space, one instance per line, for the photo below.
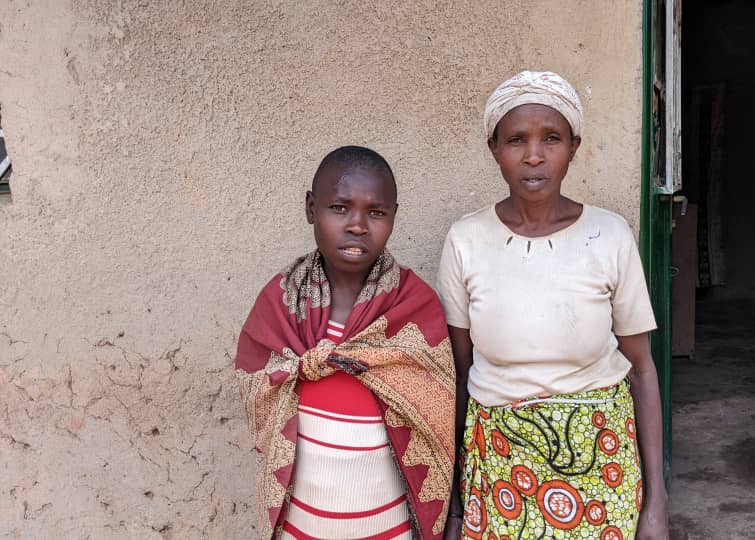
377 213
337 208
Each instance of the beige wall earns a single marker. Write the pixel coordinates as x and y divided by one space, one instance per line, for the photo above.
160 160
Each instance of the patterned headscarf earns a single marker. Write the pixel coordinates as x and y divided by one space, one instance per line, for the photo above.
542 87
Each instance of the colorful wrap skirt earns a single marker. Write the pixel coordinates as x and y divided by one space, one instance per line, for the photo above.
564 466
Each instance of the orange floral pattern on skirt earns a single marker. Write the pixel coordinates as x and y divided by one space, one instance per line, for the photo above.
565 466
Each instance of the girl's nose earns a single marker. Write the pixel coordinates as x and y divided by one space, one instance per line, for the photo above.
357 223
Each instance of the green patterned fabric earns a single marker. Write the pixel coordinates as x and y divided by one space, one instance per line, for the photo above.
564 466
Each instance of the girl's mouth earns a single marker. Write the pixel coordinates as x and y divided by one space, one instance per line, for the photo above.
352 251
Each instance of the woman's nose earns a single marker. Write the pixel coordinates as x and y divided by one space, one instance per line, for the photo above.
534 154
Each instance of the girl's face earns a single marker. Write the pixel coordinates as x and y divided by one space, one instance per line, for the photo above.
533 148
352 210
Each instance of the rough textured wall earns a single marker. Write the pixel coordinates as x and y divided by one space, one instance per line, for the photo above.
161 151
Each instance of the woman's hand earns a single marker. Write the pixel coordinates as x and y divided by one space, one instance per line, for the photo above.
653 523
461 344
453 528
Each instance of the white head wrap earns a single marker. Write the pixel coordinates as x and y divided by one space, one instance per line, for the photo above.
543 87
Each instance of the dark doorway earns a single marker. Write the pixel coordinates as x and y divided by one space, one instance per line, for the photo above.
713 293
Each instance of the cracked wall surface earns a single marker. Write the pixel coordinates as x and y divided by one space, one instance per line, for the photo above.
161 151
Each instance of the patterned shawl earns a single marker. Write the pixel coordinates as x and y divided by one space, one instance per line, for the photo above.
396 345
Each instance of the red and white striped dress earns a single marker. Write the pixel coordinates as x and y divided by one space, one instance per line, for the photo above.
345 483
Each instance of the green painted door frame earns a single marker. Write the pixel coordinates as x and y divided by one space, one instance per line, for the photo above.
655 233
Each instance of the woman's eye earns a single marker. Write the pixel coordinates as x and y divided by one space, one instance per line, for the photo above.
552 138
514 140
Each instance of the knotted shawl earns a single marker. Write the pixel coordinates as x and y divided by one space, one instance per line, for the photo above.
542 87
396 343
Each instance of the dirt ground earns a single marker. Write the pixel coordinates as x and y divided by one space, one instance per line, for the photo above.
713 463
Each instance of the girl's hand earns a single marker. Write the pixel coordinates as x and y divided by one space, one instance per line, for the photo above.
653 523
453 528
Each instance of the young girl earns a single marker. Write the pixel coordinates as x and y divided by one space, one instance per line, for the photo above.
347 376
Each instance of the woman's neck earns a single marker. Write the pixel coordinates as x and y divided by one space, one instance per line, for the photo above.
538 218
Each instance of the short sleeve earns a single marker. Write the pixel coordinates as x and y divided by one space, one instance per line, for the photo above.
451 285
632 310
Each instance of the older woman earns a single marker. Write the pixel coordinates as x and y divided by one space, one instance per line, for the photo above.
549 316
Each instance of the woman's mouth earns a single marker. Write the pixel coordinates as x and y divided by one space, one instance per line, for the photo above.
534 182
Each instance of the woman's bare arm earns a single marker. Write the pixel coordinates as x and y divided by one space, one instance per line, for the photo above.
653 522
461 344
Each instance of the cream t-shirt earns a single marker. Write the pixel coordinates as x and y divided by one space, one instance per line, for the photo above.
543 312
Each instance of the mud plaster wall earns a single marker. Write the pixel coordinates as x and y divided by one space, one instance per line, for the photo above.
161 152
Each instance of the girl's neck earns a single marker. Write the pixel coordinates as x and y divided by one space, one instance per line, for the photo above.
344 291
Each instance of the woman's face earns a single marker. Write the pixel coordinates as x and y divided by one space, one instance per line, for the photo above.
533 148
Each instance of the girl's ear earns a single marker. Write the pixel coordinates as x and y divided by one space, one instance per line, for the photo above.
309 205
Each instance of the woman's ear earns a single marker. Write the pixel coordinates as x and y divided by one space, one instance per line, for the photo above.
309 207
575 142
493 147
